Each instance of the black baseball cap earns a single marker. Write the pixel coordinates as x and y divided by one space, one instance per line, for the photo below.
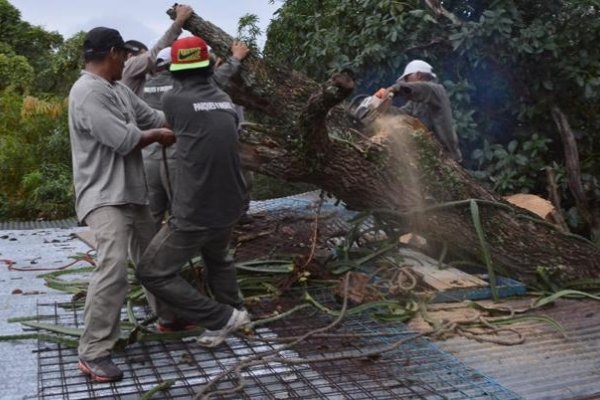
101 40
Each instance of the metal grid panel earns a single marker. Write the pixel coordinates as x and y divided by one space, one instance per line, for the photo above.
416 370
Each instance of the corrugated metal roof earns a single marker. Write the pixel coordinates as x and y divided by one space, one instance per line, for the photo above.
21 225
547 365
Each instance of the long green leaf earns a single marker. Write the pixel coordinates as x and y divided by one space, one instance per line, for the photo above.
484 248
29 318
64 330
538 318
159 388
564 293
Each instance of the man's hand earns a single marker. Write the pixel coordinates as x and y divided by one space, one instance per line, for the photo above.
239 50
182 13
165 136
382 93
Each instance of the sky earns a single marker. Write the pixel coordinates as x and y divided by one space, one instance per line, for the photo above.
143 20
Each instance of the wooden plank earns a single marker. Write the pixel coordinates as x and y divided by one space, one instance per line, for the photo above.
439 279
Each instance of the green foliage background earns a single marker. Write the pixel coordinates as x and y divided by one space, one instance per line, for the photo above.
37 69
505 64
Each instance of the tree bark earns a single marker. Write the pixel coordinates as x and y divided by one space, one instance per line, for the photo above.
394 166
590 214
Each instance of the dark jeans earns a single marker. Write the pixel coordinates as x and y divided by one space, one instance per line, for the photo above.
160 267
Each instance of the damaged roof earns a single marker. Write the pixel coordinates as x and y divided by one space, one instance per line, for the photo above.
546 366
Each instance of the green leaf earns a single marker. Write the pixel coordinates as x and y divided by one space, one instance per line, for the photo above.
569 293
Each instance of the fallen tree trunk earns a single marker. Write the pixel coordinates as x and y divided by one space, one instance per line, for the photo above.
397 168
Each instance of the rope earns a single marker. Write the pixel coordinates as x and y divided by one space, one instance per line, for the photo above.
86 257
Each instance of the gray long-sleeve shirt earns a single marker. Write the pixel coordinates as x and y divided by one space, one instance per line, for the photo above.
136 67
105 122
156 86
429 102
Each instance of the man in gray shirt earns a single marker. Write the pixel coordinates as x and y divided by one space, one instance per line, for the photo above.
141 61
108 126
428 101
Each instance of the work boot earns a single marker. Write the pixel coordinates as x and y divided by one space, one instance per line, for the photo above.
101 369
214 338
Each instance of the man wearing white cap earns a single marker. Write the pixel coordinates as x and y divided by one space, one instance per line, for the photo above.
428 101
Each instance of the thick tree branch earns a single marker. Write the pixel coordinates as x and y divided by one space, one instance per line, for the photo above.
573 168
313 121
257 86
439 10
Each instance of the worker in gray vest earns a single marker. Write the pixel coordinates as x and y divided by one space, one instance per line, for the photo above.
207 201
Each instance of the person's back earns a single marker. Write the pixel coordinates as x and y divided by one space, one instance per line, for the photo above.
211 186
160 173
429 102
156 86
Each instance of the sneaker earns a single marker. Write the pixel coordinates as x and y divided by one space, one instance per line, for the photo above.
176 326
101 369
214 338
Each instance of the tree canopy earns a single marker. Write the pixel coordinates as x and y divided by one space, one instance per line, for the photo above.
37 69
506 65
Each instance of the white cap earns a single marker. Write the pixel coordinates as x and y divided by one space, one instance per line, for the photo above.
163 57
417 66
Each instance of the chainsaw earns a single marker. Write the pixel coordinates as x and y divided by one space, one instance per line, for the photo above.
366 109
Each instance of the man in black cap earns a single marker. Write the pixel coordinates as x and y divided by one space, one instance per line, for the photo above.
108 126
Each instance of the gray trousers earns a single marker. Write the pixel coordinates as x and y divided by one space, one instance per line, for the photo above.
121 232
160 266
158 187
